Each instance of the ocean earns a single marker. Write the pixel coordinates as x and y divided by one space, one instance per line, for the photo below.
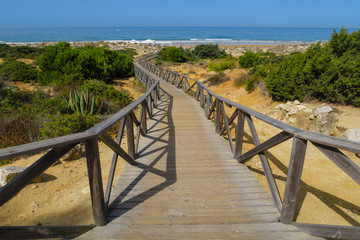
169 35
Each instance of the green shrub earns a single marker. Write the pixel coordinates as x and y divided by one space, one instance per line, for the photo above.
11 98
328 72
172 54
18 128
217 79
12 53
250 59
343 42
241 81
252 81
223 64
107 92
65 66
203 51
68 124
17 71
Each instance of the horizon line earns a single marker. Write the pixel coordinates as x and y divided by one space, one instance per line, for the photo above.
177 26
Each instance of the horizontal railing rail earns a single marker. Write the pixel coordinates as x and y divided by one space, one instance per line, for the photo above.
57 147
214 108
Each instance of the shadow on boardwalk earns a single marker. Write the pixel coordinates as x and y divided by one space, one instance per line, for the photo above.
162 114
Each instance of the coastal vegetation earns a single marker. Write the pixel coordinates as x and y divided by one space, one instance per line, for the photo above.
65 65
67 90
226 63
326 71
181 55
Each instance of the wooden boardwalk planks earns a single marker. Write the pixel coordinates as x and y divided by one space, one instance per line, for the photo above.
186 185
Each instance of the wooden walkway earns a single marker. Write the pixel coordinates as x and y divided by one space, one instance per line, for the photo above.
186 185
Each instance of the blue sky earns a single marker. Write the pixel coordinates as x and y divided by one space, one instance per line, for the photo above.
264 13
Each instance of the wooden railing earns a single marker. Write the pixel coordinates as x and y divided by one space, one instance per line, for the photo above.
60 146
214 107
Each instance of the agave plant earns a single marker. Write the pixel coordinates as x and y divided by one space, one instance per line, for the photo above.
84 103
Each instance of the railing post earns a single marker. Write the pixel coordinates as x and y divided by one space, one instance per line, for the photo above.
217 116
149 106
296 164
143 120
197 91
155 96
130 137
184 84
202 97
208 102
239 135
95 181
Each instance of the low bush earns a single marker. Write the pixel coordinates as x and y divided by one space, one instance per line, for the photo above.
65 66
68 124
209 51
252 81
12 53
12 99
328 72
241 81
250 59
172 54
108 92
17 71
18 128
217 79
223 64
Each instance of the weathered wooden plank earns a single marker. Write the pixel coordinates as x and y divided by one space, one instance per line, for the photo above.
272 142
139 130
341 160
207 110
330 231
146 104
296 165
44 145
95 181
116 148
130 137
190 88
29 174
113 164
197 91
230 121
265 164
41 232
239 134
226 123
330 141
211 110
143 122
